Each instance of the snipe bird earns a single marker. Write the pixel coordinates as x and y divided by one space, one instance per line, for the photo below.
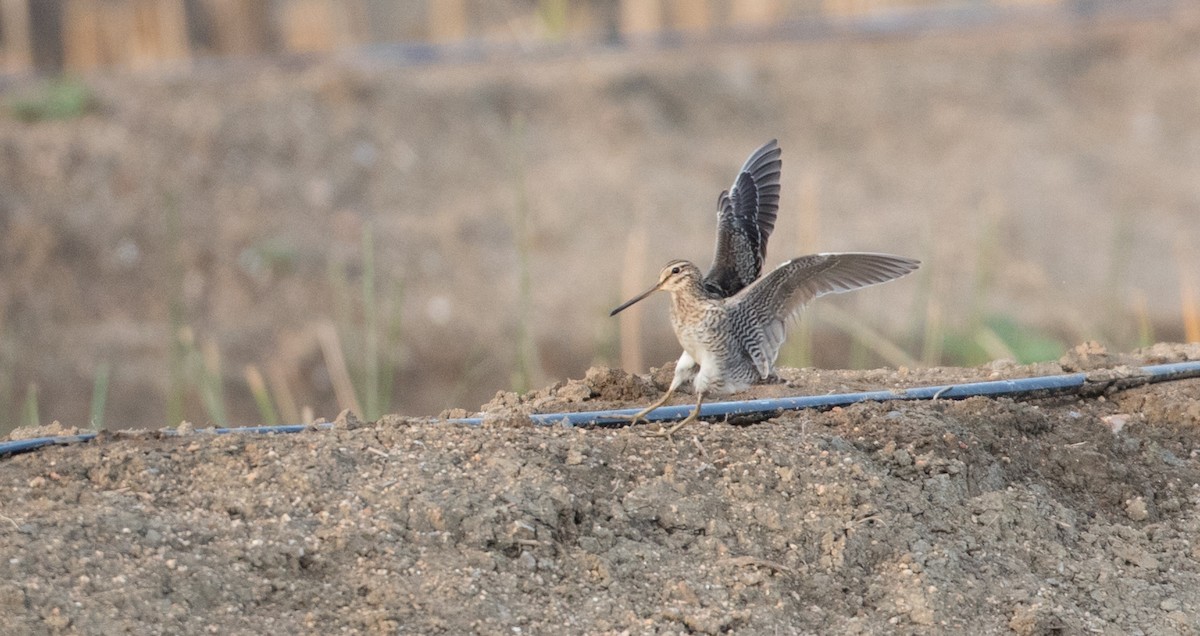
731 323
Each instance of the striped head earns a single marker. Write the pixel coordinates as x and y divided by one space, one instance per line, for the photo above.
675 276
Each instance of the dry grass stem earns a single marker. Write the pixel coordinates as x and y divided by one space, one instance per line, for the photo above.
335 363
633 280
866 336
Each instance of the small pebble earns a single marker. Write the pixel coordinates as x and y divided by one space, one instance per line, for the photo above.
1135 509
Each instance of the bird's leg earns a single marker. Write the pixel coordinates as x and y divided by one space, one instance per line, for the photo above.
692 417
633 419
685 369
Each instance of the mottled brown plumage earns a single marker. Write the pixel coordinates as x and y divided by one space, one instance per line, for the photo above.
745 218
732 329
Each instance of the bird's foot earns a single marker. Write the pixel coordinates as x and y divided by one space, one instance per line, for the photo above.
640 416
663 431
773 378
633 419
660 432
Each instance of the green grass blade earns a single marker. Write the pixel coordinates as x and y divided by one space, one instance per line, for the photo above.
99 396
262 397
371 327
29 410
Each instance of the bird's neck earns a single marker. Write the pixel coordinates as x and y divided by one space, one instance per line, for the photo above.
688 300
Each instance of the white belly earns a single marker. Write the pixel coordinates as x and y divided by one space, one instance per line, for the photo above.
703 347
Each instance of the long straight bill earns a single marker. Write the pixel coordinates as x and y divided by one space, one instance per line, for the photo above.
633 300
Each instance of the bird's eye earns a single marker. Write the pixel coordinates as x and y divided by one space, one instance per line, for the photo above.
674 270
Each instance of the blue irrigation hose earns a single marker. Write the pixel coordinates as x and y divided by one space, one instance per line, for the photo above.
1051 384
34 443
1039 386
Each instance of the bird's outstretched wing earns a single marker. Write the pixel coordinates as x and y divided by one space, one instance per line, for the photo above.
765 307
745 218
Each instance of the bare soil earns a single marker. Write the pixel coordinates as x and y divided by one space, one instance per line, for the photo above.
1056 516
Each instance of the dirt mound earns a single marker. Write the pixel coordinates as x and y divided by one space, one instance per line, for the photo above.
1061 515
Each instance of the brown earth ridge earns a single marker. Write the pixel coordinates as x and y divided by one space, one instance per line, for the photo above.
1058 515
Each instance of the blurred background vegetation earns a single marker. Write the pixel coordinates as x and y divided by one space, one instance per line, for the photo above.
263 211
78 35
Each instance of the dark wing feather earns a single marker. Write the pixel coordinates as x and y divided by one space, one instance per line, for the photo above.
745 218
767 306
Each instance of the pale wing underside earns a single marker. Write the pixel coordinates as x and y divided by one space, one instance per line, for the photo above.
779 296
745 219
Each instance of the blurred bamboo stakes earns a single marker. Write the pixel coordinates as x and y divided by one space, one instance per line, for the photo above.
447 20
335 363
17 54
859 355
555 17
1141 310
640 17
798 351
849 8
240 26
99 396
866 336
262 398
322 25
693 15
841 7
29 408
277 378
633 281
7 371
527 371
7 398
367 326
140 33
1191 314
808 230
927 318
993 344
160 32
136 32
991 213
932 341
474 369
212 382
389 360
82 44
371 389
753 12
1189 298
179 340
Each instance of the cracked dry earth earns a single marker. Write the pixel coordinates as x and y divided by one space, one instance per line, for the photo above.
1060 515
